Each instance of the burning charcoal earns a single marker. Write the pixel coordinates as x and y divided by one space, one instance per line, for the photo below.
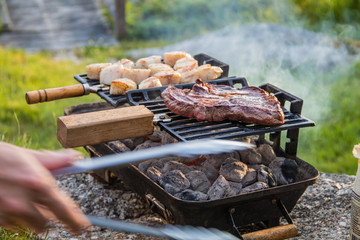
265 175
198 181
218 159
191 195
118 146
174 165
267 153
250 156
160 162
167 138
250 177
230 160
254 187
284 170
174 181
143 166
139 140
156 136
219 189
188 159
210 171
233 171
154 174
235 188
147 144
129 143
246 139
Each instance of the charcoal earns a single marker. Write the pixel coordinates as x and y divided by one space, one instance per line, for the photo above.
250 156
235 188
250 177
129 143
147 144
218 159
195 168
174 165
191 195
198 181
233 171
167 138
187 159
210 171
154 174
230 160
174 181
254 187
246 139
144 165
265 175
160 162
284 170
139 140
118 146
267 153
156 136
219 189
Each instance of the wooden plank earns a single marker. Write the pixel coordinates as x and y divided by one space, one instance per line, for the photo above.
104 126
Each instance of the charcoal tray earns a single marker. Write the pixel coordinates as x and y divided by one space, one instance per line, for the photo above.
253 207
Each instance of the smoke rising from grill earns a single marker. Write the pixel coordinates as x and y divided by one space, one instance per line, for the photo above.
299 61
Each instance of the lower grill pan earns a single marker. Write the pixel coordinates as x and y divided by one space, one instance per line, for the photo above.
246 208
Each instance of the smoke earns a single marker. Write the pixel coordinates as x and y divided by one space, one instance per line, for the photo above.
298 61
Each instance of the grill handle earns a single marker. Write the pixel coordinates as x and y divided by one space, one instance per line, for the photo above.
274 233
51 94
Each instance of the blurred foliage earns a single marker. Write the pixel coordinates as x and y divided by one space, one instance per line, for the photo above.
179 19
329 145
340 17
98 53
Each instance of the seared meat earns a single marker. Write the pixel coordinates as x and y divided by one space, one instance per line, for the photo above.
219 102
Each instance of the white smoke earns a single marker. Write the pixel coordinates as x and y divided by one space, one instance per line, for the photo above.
296 60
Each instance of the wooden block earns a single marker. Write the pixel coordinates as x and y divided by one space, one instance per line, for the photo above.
104 126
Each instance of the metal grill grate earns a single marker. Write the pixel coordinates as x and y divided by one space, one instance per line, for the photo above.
185 129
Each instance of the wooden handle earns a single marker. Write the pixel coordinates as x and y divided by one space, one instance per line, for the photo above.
51 94
274 233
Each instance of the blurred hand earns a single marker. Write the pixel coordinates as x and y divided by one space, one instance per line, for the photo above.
29 195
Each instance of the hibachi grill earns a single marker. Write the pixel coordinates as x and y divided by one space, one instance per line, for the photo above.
229 212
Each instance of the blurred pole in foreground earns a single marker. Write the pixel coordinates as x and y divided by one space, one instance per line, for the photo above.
120 22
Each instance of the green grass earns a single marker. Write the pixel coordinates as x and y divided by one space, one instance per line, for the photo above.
329 145
33 125
20 235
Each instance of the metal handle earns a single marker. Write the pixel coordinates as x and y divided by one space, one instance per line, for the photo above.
51 94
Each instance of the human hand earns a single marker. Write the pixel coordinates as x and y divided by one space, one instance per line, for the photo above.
29 194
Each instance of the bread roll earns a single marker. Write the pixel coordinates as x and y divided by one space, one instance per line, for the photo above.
93 70
150 82
121 85
110 73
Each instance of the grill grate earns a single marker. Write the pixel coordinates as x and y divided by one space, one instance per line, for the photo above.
116 101
185 129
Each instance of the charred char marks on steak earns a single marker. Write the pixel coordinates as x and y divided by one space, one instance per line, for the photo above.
210 102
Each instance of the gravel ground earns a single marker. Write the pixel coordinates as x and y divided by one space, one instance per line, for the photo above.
323 212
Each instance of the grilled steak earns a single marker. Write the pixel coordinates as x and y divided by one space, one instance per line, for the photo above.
210 102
